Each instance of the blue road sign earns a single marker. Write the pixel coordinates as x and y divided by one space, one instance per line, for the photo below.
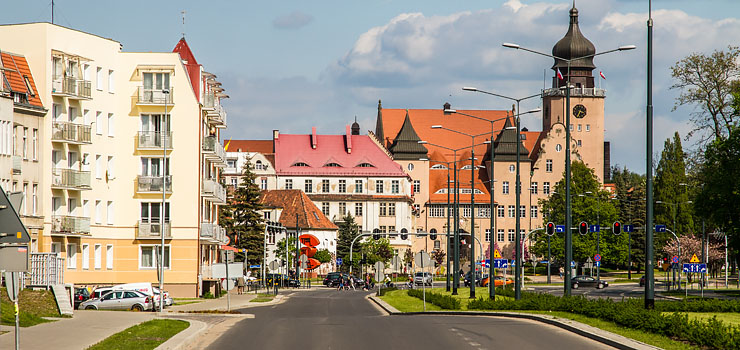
339 261
255 266
572 264
598 263
500 263
659 228
487 263
675 259
597 257
544 262
628 228
594 228
559 228
699 268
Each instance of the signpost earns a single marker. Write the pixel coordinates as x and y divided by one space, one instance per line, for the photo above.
422 260
628 228
560 228
396 263
675 259
339 262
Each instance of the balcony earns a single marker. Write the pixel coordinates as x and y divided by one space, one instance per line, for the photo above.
70 179
153 184
576 92
213 191
213 151
152 140
71 133
70 225
153 97
212 232
17 163
215 112
71 87
153 230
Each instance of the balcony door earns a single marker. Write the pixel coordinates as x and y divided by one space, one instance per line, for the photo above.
152 212
153 167
154 83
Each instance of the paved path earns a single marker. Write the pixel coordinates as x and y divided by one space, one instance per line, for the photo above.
330 319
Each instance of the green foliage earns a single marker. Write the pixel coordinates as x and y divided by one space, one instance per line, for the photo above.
147 335
673 196
446 302
280 251
348 231
408 257
323 256
242 219
630 202
439 257
375 251
382 291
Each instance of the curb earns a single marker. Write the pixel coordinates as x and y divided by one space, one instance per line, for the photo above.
607 338
178 340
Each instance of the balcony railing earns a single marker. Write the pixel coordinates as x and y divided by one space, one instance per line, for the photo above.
17 164
153 140
154 96
214 191
216 113
70 179
588 92
213 150
213 232
70 225
71 133
71 87
153 183
152 230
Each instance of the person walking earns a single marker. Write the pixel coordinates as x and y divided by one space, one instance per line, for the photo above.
351 283
341 283
240 283
562 271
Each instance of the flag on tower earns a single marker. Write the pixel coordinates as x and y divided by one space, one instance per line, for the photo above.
602 75
560 76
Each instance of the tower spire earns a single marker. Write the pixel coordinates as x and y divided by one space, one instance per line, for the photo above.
183 23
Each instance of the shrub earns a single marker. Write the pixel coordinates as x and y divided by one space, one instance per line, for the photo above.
446 302
382 291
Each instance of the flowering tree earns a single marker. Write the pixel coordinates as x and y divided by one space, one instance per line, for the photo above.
691 245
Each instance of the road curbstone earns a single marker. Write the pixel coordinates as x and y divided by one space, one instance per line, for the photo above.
178 340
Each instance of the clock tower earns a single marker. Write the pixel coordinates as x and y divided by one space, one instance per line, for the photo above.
586 100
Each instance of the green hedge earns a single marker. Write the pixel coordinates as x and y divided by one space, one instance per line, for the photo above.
699 305
446 302
631 314
382 291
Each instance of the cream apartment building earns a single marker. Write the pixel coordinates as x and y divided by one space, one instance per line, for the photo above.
103 171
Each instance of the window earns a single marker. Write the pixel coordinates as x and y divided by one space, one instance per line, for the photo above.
35 199
86 162
578 143
580 127
266 216
379 186
571 127
417 186
271 237
71 256
85 256
35 144
488 235
342 186
111 127
588 127
548 165
99 123
110 173
500 209
505 187
342 208
325 208
263 183
417 209
500 235
258 165
466 211
98 167
533 188
395 186
437 245
231 163
308 186
111 81
365 165
522 211
99 78
512 211
558 148
288 184
300 164
358 209
533 211
235 181
150 256
25 199
98 212
484 212
151 212
383 211
512 235
512 168
391 229
110 212
325 186
109 257
358 186
25 143
153 167
391 209
438 167
383 229
546 188
86 208
98 256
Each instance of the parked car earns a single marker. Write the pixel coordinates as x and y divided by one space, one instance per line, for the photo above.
332 278
498 281
587 281
99 291
120 300
424 278
81 294
282 280
359 282
478 278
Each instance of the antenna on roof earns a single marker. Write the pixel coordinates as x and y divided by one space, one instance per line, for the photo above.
52 11
183 23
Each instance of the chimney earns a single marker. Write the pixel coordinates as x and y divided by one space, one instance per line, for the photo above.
314 142
447 105
349 140
275 136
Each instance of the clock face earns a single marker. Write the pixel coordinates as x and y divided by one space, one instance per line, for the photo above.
579 111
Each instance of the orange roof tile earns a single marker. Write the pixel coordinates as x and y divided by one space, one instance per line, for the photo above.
16 69
259 146
297 209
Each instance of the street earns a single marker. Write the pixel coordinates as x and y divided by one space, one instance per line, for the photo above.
324 318
613 291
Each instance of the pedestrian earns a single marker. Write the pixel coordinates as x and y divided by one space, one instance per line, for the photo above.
351 282
341 283
240 283
562 271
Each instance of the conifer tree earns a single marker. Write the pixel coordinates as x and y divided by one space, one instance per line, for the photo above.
241 217
671 189
348 231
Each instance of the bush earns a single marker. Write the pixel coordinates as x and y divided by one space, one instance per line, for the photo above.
382 291
208 295
446 302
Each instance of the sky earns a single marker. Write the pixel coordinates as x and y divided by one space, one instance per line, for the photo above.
291 65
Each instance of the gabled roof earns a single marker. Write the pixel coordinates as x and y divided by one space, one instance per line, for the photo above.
259 146
298 210
16 70
192 66
438 181
406 144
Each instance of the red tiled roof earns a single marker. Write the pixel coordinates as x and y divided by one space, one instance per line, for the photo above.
192 66
438 181
259 146
297 208
16 69
331 149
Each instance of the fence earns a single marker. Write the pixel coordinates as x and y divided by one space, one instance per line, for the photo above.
46 269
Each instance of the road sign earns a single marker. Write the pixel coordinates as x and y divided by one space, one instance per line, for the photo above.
422 260
11 229
496 254
500 263
598 263
597 257
594 228
13 283
379 266
14 258
698 268
572 264
339 261
659 228
274 265
694 259
628 228
396 263
304 258
560 228
675 259
255 266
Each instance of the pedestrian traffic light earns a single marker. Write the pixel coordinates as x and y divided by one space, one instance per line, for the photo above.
617 228
433 236
583 228
550 229
404 236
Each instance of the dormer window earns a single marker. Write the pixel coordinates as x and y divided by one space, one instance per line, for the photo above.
332 165
365 165
301 164
438 167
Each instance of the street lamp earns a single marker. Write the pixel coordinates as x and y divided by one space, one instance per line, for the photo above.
598 223
454 162
674 208
629 236
568 218
163 133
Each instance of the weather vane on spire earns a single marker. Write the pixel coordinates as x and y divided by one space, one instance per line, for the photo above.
183 22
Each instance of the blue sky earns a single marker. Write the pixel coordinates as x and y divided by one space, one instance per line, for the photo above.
291 65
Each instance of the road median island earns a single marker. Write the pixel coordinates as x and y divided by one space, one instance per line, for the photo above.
144 336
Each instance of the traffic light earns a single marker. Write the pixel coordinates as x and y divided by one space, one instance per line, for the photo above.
433 236
617 228
583 228
404 236
550 229
376 236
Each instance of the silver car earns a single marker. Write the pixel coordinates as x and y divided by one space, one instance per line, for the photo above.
120 300
423 278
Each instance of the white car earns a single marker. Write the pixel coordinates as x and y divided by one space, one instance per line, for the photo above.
423 278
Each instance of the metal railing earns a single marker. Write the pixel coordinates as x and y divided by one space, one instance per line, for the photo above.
589 92
214 190
17 164
153 183
70 224
215 111
70 179
45 270
154 96
213 232
71 132
71 86
153 140
147 230
213 149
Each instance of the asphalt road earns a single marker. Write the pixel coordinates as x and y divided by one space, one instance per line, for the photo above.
613 291
328 319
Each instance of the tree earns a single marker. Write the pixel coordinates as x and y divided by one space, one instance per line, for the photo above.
691 245
707 82
280 250
348 231
408 258
241 217
671 189
439 257
323 256
377 250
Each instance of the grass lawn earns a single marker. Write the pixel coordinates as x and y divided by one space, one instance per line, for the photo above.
32 305
726 317
147 335
262 298
728 292
404 303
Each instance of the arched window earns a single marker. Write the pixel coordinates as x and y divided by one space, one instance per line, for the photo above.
434 230
301 164
403 230
258 165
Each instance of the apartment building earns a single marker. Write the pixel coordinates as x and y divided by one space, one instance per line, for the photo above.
130 154
260 154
